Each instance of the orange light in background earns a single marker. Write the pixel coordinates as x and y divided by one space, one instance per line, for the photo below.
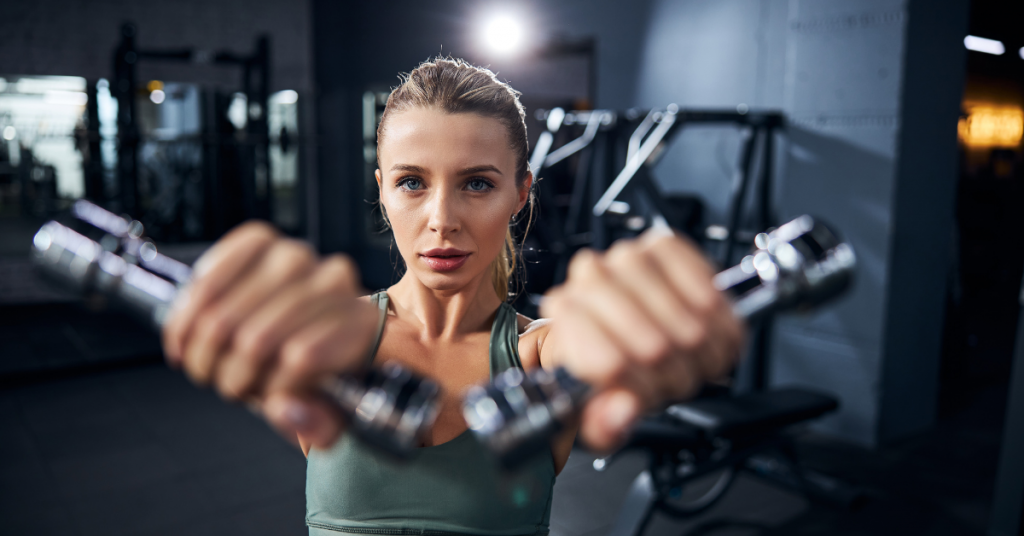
992 126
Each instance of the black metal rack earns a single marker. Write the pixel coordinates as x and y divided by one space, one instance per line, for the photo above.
245 166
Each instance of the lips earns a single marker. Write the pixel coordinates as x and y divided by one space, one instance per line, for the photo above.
445 260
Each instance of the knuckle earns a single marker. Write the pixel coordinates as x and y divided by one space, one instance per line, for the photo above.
215 324
624 254
656 349
706 302
299 357
613 371
256 230
292 256
694 337
230 390
339 273
249 341
585 265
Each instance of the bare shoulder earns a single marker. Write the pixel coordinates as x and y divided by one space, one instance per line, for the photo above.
531 338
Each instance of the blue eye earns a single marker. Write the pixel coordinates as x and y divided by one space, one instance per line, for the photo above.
411 184
479 185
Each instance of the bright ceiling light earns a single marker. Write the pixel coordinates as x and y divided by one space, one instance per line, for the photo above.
503 34
980 44
157 96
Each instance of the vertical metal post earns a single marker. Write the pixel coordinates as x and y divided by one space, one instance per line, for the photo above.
94 190
739 195
761 347
264 188
124 88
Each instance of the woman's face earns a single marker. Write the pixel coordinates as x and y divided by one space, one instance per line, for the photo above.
448 184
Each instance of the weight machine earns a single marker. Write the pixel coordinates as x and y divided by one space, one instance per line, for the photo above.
720 432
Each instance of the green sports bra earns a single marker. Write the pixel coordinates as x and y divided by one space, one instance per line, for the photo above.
451 488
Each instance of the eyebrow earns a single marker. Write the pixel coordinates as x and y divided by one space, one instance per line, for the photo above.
467 171
408 167
480 169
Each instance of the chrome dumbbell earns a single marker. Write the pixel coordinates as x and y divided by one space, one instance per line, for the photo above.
106 255
798 265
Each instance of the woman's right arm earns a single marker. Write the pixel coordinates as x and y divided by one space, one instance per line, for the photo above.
265 320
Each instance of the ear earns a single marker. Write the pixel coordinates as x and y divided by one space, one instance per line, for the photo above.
376 174
524 191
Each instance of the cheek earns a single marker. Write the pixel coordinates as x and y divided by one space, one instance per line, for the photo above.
403 218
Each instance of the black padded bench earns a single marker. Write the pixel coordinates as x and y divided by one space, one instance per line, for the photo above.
734 418
752 414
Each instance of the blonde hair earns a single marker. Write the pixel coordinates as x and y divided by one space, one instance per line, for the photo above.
455 86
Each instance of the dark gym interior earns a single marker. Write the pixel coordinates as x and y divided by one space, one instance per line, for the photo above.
897 408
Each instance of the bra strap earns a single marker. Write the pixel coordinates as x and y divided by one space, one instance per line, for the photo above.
504 347
380 299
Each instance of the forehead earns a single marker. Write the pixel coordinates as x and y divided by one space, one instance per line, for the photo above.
432 138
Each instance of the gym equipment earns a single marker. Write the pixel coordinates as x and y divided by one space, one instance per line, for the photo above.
715 439
196 161
647 145
799 265
564 176
106 256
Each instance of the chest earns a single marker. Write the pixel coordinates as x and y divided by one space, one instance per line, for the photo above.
454 365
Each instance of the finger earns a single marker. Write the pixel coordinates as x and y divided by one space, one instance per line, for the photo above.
316 419
674 379
686 269
285 261
579 343
256 342
615 310
259 339
691 277
635 270
331 346
608 417
220 267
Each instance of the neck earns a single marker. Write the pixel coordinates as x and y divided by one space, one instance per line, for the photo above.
446 314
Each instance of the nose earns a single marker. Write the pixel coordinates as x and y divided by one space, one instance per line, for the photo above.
444 219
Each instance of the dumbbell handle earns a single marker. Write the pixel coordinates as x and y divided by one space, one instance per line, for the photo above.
85 264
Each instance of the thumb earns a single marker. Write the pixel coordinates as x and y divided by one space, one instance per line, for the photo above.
315 419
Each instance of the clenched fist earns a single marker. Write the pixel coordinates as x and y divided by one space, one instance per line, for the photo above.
267 321
643 324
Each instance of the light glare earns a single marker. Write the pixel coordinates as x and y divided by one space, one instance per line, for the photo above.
287 96
9 133
992 126
71 98
503 34
980 44
157 96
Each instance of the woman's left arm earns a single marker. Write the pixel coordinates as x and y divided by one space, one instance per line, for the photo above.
643 324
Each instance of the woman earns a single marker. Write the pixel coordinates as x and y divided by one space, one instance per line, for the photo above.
265 320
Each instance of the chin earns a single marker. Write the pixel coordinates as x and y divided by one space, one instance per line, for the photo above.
443 281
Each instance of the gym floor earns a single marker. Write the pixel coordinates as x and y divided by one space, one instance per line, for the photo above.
133 448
